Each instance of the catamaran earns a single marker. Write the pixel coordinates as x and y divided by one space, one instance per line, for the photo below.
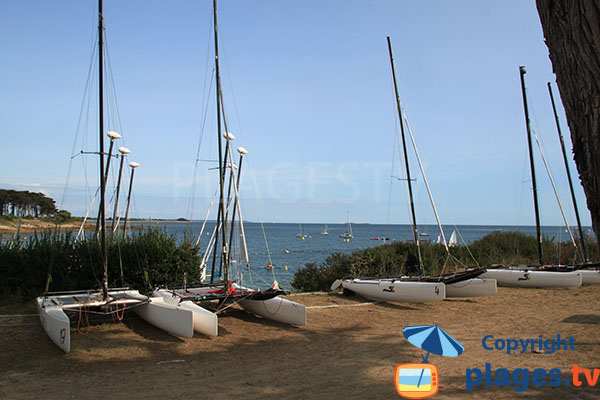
419 288
52 306
538 275
220 289
590 272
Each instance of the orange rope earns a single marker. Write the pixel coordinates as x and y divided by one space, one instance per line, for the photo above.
86 313
119 317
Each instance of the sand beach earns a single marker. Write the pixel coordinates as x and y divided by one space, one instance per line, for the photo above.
37 225
33 225
348 350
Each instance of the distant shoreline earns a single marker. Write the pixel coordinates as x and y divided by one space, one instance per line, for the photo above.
37 225
28 226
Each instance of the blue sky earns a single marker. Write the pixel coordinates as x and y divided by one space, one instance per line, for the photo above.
307 91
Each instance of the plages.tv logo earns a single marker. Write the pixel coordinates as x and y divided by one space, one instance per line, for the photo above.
421 380
521 379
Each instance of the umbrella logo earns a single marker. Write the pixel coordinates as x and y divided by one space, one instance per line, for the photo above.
419 381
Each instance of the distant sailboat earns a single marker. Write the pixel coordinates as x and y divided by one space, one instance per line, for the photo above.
348 234
325 232
453 241
301 234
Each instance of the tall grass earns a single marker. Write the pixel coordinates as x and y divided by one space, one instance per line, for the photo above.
147 258
401 258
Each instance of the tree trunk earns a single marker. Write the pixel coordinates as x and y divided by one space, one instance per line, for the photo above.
572 32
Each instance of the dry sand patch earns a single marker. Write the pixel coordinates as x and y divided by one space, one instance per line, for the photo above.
347 351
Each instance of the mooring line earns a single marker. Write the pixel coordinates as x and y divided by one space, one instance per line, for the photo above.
345 305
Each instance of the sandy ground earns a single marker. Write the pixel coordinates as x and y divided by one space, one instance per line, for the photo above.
345 352
9 228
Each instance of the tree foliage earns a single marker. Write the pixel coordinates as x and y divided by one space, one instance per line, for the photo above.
572 33
25 203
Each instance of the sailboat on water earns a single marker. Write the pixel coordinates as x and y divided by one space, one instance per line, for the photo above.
453 240
52 306
300 234
220 289
419 288
348 233
325 232
538 275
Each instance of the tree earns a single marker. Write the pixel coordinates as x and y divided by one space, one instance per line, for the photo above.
572 32
25 203
4 202
62 216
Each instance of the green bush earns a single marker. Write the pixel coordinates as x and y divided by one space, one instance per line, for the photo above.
62 216
517 248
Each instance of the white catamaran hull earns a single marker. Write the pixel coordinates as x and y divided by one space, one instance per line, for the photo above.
155 311
534 279
277 309
475 287
590 276
390 290
56 324
205 322
167 317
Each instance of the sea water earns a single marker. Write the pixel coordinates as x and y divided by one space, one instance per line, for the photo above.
287 252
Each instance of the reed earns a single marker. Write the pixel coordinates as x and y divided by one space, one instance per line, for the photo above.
147 258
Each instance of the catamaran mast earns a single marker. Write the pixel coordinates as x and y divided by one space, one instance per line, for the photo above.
531 163
564 152
222 160
101 135
408 180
